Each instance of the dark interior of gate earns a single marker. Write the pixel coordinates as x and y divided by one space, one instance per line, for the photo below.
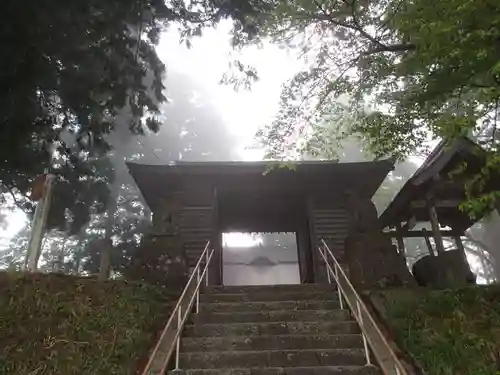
208 199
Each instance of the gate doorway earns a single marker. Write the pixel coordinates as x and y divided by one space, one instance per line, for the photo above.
260 258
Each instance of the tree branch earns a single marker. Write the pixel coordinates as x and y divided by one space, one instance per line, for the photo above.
402 47
368 36
16 201
381 47
493 133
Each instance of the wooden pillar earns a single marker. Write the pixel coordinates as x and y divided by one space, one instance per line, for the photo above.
399 238
438 238
428 242
318 276
216 263
461 249
304 248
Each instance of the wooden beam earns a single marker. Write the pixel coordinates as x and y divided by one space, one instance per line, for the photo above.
419 234
441 203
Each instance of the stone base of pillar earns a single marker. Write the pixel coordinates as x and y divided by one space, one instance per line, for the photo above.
374 262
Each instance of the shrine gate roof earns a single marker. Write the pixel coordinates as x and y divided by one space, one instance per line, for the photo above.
438 177
235 177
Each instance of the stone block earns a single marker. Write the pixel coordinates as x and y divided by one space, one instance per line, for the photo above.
374 262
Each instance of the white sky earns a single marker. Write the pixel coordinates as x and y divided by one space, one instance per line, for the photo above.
16 221
243 112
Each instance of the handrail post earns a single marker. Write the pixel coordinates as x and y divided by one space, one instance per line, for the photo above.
178 343
338 286
197 309
365 342
206 266
329 277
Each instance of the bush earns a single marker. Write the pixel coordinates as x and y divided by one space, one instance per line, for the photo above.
451 331
56 324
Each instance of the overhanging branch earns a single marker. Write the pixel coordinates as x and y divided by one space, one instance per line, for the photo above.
355 26
14 198
402 47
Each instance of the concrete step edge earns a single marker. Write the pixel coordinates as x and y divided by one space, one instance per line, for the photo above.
271 316
268 323
267 292
290 301
268 297
266 312
343 367
336 314
225 288
278 370
272 342
355 351
293 335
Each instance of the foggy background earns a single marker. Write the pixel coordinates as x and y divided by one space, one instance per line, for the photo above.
205 121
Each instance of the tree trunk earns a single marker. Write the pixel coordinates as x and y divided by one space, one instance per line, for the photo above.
107 246
105 265
60 257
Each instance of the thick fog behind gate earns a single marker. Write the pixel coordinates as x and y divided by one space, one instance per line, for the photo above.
204 121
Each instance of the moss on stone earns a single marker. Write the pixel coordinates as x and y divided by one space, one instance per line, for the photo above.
54 324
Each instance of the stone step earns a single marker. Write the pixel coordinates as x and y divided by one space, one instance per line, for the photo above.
271 316
269 306
267 296
273 328
220 289
320 370
273 358
273 342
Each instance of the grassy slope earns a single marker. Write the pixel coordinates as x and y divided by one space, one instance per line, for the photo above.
450 332
52 324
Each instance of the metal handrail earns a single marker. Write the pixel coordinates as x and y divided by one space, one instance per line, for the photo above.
372 335
170 337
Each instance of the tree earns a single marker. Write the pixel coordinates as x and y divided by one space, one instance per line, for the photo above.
411 71
70 69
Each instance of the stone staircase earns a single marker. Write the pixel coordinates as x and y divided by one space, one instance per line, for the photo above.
271 330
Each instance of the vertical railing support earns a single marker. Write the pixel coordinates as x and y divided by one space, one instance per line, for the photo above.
178 343
206 266
338 287
197 310
326 268
365 342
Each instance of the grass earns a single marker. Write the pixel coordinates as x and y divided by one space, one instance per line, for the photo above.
450 332
54 324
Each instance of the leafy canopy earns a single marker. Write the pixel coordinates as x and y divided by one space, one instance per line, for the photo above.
399 72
